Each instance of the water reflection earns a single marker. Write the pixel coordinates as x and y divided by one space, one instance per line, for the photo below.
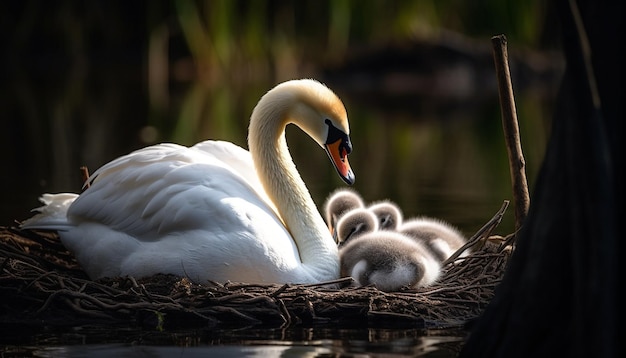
304 342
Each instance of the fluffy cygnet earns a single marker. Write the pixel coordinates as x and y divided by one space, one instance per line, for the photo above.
389 260
440 237
353 224
338 203
388 213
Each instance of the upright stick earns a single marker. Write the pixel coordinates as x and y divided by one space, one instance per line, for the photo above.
517 164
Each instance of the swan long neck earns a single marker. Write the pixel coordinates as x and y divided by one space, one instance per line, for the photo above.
284 186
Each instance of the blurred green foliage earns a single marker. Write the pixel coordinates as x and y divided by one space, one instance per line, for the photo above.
222 32
87 81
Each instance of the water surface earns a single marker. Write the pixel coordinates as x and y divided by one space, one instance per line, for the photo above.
294 342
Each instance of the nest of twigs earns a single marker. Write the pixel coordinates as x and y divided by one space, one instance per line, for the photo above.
40 281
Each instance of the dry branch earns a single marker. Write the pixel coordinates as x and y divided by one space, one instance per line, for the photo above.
510 126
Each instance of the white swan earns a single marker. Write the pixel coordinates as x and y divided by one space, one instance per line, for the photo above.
338 203
353 224
388 213
213 211
440 237
389 260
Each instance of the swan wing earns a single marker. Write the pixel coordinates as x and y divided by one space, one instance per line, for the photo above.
237 159
145 211
53 214
231 155
165 188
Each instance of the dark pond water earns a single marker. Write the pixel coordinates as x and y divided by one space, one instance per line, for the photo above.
303 342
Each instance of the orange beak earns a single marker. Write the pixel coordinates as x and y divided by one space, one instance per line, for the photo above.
338 154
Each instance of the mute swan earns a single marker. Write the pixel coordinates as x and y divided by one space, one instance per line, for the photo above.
338 203
388 213
213 211
388 260
440 237
353 224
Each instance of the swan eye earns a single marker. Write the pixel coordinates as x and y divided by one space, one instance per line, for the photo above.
334 135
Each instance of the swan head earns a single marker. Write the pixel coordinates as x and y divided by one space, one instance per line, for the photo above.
318 111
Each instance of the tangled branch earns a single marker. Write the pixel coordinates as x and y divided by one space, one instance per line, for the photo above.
40 280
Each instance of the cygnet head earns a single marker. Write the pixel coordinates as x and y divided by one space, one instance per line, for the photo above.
338 203
353 224
441 237
388 213
388 260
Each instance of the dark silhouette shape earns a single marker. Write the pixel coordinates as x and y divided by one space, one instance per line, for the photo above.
558 296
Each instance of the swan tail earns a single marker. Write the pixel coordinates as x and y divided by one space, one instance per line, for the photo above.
53 214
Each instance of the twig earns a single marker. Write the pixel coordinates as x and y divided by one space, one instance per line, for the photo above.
495 221
517 164
85 175
342 280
